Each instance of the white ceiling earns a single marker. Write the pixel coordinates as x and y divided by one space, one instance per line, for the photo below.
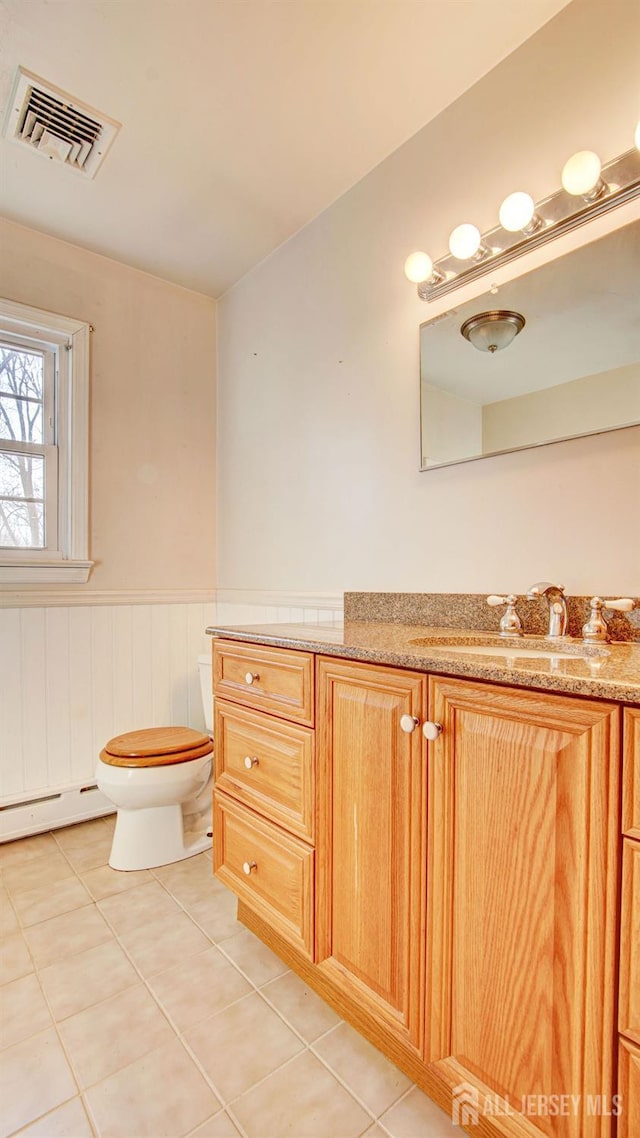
242 119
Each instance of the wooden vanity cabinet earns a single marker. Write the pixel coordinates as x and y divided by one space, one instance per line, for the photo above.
372 829
521 893
263 803
466 890
629 993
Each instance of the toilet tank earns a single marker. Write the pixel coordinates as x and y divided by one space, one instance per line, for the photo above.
204 668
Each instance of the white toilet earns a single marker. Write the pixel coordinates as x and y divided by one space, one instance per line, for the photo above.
160 781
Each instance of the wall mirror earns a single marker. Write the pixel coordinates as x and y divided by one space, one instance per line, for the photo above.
572 367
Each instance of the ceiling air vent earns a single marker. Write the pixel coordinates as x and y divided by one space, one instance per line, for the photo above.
58 126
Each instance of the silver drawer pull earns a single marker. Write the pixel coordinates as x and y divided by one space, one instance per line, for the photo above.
248 867
431 730
251 678
251 762
408 723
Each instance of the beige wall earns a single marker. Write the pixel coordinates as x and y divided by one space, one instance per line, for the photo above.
452 428
318 391
152 409
582 405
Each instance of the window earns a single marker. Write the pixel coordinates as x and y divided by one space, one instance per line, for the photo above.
44 387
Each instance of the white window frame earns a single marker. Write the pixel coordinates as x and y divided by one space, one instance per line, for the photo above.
65 560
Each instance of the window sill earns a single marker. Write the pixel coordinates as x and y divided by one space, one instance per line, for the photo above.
45 573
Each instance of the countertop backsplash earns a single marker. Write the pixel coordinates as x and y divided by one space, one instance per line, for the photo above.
471 611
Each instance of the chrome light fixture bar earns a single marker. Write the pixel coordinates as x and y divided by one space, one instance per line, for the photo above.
589 191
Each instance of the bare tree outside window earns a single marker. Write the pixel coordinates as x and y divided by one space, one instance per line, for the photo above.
22 470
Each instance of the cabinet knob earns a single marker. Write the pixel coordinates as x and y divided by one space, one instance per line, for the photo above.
408 723
431 730
251 678
251 762
248 867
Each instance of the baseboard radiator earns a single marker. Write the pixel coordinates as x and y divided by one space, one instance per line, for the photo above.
51 811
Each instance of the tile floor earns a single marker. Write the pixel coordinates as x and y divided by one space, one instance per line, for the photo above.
133 1005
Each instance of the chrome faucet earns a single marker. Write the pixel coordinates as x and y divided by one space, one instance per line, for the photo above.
554 595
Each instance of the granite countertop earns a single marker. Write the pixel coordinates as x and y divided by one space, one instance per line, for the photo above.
614 676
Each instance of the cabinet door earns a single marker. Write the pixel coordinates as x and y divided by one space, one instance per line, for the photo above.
521 886
629 1090
631 779
371 845
629 1006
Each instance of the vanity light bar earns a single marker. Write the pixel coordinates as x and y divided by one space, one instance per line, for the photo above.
600 190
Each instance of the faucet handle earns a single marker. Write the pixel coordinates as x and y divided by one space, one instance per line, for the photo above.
510 624
596 627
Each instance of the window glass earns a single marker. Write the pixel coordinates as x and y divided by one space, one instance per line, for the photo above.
21 395
21 500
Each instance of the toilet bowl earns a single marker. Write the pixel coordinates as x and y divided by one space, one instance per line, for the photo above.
159 780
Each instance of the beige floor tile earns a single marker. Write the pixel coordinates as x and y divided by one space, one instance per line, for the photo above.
15 958
95 853
111 1035
197 892
305 1011
106 882
34 1078
25 849
38 871
86 979
23 1010
253 957
216 915
82 835
67 935
161 944
162 1095
68 1121
241 1045
138 906
416 1114
376 1131
46 901
301 1099
199 988
8 920
220 1126
192 868
373 1079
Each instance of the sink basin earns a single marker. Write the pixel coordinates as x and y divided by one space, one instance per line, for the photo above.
470 645
517 651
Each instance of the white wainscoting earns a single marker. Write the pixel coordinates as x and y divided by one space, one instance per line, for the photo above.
74 675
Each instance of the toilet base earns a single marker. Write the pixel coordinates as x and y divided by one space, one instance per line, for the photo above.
145 839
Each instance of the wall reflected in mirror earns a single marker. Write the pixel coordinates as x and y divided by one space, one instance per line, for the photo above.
572 370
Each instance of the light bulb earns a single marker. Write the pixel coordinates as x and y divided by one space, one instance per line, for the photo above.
581 174
418 267
517 211
636 137
464 242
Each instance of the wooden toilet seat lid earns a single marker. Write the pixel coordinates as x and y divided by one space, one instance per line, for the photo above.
155 746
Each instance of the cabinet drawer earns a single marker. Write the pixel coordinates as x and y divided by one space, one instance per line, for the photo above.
629 1006
629 1089
631 774
269 870
269 679
267 764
